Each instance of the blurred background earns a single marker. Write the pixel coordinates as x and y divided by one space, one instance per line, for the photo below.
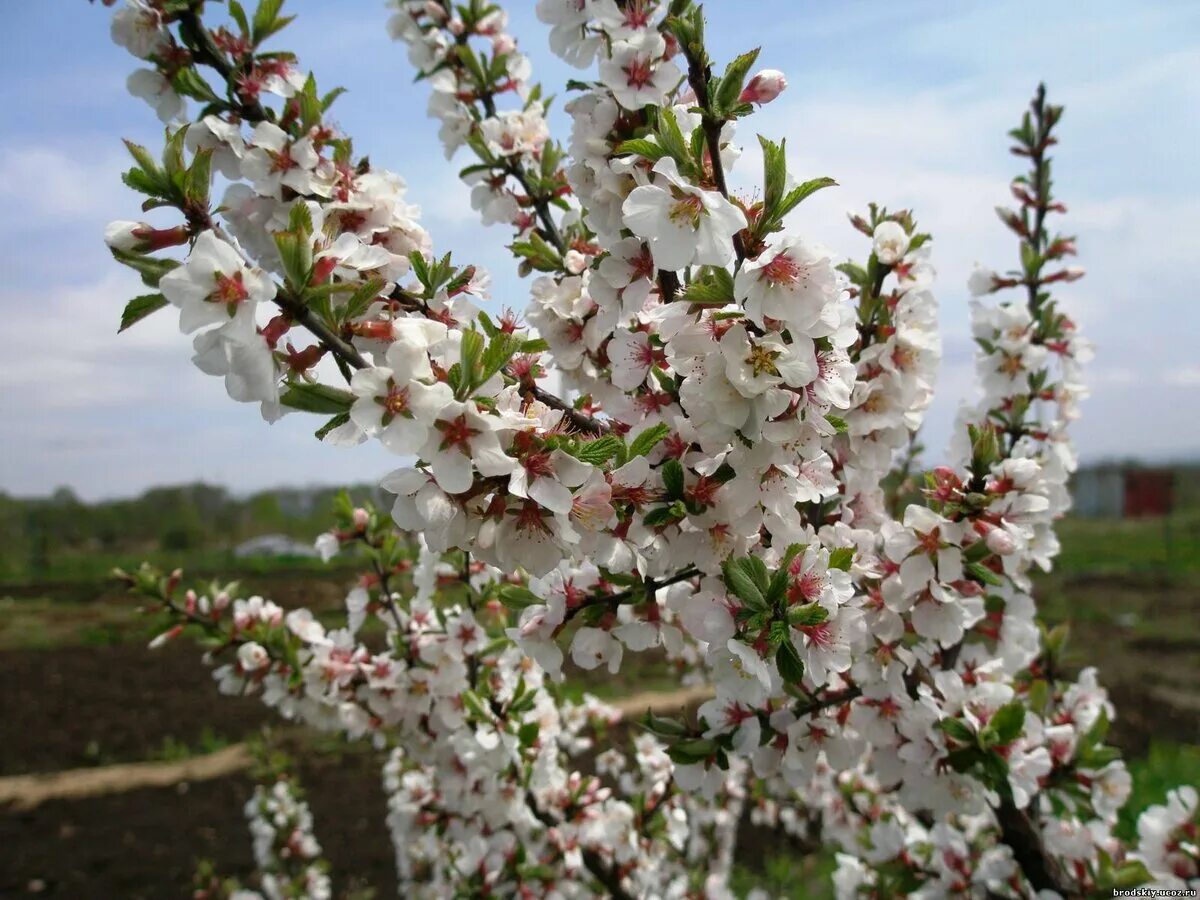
115 449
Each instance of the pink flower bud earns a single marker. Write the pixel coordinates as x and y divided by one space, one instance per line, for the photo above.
361 518
1000 542
168 635
503 44
252 656
764 87
138 237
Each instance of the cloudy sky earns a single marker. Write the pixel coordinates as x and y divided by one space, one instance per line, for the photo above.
906 104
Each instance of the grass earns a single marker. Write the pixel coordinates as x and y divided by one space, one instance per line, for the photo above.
788 877
44 623
1165 546
1166 766
174 750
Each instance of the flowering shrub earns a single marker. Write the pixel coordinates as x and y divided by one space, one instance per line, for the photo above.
715 490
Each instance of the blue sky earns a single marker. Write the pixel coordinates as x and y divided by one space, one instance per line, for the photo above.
906 104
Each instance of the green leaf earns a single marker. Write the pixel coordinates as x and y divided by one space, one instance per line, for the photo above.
807 615
993 771
1131 874
672 138
1098 732
316 398
152 270
187 82
802 192
329 98
641 147
838 423
534 345
238 14
143 158
648 439
1005 726
841 558
471 352
601 450
500 350
673 479
983 574
958 730
774 176
362 298
267 20
334 423
662 515
516 597
732 81
296 254
661 726
739 583
528 733
199 179
791 666
140 307
756 569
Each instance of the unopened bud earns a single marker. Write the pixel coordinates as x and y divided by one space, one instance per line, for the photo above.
168 635
252 656
138 237
503 44
361 518
982 281
891 242
1000 541
764 87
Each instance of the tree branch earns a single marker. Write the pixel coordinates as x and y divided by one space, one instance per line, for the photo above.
603 872
698 76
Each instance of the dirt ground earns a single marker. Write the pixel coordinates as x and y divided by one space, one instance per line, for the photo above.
93 705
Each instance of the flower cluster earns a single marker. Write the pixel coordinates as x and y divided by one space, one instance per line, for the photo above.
716 492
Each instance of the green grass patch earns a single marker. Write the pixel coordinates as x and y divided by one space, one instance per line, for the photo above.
1166 766
788 877
1169 546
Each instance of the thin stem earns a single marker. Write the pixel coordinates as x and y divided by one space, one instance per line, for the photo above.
699 73
648 589
603 872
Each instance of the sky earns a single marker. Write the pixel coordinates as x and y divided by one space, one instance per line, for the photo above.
905 104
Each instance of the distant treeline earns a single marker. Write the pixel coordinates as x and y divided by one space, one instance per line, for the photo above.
36 534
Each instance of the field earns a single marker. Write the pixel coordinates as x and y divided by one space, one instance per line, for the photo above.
82 690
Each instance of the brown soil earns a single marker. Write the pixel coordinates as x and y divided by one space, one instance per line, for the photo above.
145 843
78 706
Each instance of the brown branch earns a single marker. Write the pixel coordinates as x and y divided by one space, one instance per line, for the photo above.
1022 837
603 872
648 588
699 73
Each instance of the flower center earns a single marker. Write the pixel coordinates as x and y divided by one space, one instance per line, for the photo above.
281 161
639 72
820 636
762 361
396 401
457 434
782 271
686 210
229 290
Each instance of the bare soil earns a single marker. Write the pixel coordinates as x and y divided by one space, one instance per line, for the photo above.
94 705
